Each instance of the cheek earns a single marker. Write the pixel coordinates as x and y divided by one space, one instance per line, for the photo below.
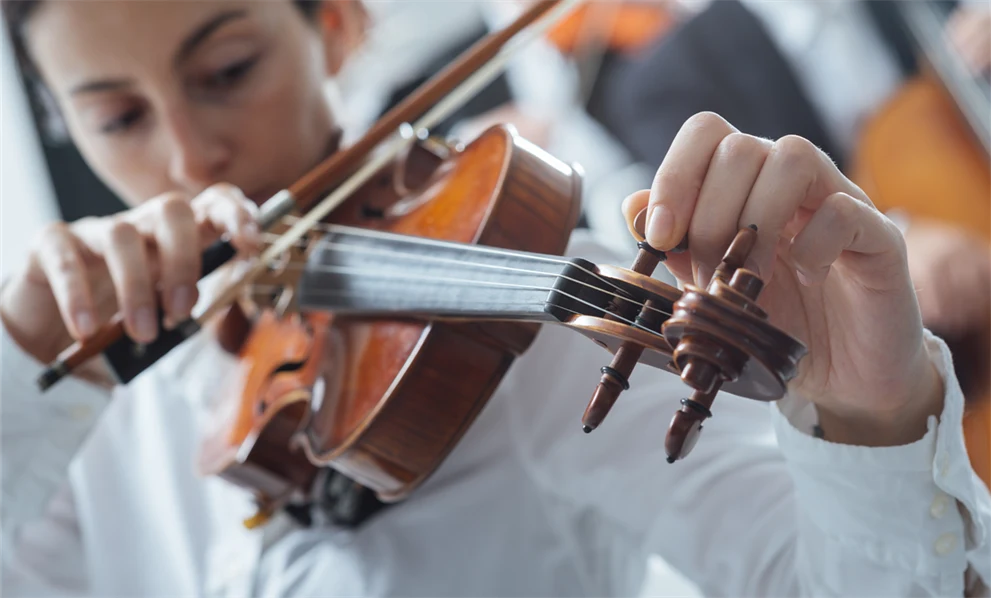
288 126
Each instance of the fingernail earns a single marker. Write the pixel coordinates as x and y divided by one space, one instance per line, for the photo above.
802 278
145 324
182 300
660 225
85 323
640 223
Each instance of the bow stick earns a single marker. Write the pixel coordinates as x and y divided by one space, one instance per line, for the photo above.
445 92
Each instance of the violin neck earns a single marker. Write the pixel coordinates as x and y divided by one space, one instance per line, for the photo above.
360 272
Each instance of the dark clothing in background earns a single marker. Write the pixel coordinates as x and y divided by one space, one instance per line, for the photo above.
724 61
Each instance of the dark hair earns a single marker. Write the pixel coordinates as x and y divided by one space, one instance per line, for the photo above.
17 13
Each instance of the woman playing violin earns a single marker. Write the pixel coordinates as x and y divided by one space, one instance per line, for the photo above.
194 111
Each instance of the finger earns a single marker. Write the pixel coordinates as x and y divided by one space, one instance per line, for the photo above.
127 260
679 179
733 170
971 37
224 210
980 55
61 261
177 238
795 174
633 206
679 263
847 232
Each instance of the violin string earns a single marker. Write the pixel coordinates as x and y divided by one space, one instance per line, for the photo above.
393 253
338 229
481 283
423 241
520 303
485 283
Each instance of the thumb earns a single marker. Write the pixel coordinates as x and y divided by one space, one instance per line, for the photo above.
634 212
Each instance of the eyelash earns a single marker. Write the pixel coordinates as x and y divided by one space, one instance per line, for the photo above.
225 78
231 74
123 122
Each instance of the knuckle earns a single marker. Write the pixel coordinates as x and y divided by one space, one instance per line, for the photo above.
223 193
706 120
52 230
795 152
225 189
842 207
740 146
122 232
175 206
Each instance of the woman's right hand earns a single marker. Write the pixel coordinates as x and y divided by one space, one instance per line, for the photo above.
79 275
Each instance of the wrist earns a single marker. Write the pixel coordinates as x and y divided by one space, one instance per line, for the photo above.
904 422
33 333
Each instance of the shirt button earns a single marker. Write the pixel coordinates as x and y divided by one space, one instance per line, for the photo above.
943 465
945 544
80 412
938 508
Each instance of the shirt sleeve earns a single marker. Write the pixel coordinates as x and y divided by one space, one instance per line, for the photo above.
761 506
914 517
40 433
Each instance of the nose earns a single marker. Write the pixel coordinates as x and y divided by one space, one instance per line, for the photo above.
198 155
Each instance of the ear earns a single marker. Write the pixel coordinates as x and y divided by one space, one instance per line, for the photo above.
343 24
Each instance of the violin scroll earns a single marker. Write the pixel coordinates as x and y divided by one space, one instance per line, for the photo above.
720 339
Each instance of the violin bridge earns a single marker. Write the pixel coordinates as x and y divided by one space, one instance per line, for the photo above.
275 287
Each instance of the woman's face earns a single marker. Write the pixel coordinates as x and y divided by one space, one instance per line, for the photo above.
175 95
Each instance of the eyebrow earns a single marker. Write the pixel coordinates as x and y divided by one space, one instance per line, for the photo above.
188 46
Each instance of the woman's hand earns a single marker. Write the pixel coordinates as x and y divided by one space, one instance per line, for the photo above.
951 270
836 271
969 30
78 276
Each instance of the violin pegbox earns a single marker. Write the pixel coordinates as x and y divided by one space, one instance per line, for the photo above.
719 338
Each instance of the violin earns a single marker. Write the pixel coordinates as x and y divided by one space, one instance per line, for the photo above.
383 319
927 152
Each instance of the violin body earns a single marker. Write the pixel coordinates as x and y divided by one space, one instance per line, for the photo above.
919 155
395 396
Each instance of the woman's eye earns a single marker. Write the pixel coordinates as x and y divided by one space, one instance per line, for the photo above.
231 74
123 122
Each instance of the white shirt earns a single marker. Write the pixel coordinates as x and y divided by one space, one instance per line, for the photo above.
525 505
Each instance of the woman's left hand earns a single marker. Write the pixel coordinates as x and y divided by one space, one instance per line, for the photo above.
969 31
835 267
